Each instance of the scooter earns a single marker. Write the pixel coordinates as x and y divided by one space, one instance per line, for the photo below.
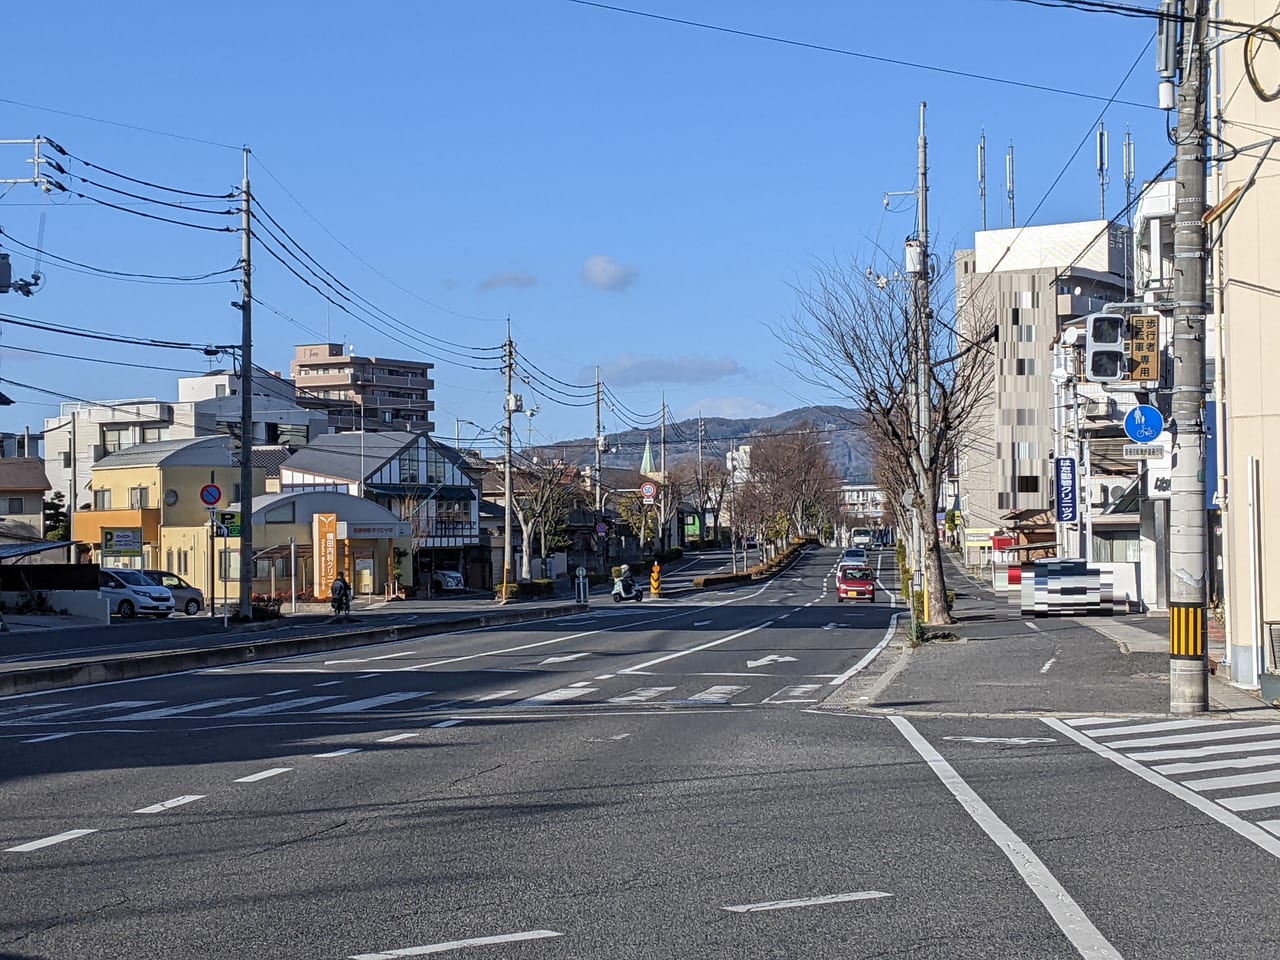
624 588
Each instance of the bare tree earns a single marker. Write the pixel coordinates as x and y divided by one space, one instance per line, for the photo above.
792 486
855 334
542 498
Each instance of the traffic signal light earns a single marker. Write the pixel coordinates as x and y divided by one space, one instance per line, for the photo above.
1106 358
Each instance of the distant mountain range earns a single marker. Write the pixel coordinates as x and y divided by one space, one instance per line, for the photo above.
848 449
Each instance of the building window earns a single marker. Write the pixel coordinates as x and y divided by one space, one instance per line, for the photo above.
14 505
280 514
113 440
1118 546
235 493
139 498
151 435
66 459
1002 501
183 559
229 564
1028 484
1026 367
102 499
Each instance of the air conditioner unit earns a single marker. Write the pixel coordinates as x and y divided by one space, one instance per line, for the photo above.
1098 408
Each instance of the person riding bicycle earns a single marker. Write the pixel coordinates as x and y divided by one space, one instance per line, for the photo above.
340 591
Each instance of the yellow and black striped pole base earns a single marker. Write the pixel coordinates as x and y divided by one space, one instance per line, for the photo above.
655 581
1186 631
1188 659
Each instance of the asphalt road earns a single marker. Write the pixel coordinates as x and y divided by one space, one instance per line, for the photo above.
649 780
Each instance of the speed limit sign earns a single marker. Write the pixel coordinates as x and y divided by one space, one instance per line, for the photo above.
648 490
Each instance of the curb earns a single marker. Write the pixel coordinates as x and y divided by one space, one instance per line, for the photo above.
85 672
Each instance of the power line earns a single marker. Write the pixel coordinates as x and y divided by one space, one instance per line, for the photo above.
145 183
824 48
114 363
117 274
110 338
118 123
1104 6
364 262
140 213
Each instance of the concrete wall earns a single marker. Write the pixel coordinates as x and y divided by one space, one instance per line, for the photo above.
77 603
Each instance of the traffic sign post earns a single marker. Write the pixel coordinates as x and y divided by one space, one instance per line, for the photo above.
1143 424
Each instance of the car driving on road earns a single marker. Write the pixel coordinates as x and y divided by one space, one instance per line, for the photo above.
855 583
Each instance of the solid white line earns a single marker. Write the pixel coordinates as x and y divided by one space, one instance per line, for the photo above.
338 753
1235 780
456 945
1241 826
1031 625
806 902
495 696
1089 721
49 841
1066 913
705 646
605 676
1048 663
396 738
1272 825
446 723
703 623
170 804
871 654
327 683
1156 727
281 693
263 774
48 736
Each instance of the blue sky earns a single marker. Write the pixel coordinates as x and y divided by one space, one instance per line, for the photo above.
631 193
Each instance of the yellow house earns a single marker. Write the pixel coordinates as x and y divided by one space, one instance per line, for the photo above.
147 511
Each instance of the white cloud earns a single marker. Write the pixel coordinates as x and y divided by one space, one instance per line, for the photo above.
629 371
605 273
731 408
515 278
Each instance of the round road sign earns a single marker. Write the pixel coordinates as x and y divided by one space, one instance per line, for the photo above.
210 494
602 528
1143 424
648 489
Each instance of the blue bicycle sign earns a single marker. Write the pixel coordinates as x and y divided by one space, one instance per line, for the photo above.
1143 423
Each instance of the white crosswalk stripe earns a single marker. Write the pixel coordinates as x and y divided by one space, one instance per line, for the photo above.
641 694
554 696
370 703
163 712
276 706
721 693
1203 754
96 708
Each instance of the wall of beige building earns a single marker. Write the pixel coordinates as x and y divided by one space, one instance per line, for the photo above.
1248 294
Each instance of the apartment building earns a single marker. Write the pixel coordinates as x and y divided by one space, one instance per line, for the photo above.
1020 286
364 393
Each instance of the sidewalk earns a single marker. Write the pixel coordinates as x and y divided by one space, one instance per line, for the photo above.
998 662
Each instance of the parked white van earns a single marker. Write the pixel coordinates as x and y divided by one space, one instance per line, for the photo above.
132 592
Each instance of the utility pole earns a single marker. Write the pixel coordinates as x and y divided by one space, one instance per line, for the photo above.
924 314
508 366
601 538
665 502
1188 652
246 402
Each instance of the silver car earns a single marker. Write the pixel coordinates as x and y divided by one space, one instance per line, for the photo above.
188 599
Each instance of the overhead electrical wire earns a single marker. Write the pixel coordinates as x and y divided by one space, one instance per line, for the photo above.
258 208
230 195
117 274
351 313
140 213
64 330
369 266
114 363
840 51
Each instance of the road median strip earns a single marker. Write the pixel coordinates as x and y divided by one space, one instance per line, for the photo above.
19 680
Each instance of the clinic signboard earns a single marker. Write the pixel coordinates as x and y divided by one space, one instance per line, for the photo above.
1065 489
324 540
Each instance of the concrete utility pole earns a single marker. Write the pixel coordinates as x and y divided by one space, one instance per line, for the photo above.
246 402
1188 652
924 314
508 366
599 450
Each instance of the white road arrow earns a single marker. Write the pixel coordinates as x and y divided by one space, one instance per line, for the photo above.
771 658
564 659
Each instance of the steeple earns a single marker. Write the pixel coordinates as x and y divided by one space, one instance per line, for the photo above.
646 462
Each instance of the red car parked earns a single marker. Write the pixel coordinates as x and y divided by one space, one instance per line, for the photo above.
856 583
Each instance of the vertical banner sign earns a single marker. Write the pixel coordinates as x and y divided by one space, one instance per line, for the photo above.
324 537
1064 484
1144 347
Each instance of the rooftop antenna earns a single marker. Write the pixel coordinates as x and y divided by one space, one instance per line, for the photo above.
1104 171
1130 172
982 175
1008 171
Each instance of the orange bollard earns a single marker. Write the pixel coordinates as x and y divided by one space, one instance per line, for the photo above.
655 580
